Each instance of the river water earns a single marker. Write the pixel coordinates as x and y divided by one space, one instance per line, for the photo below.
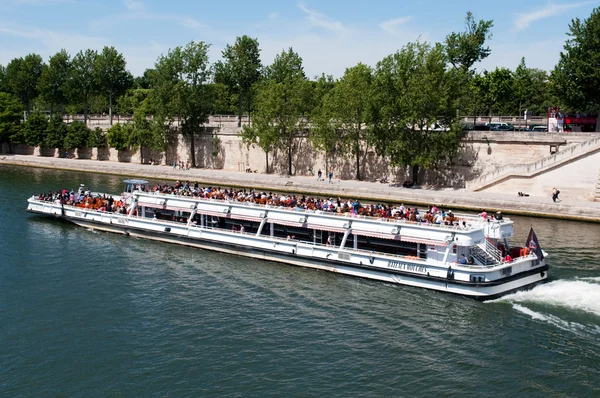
85 313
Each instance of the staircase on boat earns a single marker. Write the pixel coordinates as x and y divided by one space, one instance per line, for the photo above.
486 253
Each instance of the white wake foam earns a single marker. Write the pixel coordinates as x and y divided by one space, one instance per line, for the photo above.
573 327
578 294
591 279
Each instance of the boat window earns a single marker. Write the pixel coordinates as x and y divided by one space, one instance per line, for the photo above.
387 246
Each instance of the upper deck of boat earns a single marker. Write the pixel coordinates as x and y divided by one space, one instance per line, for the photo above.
459 224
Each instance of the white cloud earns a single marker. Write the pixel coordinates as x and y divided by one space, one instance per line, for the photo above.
392 25
525 19
103 23
53 41
273 16
319 20
134 5
190 22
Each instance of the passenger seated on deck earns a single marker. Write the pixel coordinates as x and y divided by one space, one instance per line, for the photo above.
463 259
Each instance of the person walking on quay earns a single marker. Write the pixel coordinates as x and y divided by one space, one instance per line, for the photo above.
330 177
555 193
319 175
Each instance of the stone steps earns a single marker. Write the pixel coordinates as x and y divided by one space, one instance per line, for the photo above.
597 193
507 172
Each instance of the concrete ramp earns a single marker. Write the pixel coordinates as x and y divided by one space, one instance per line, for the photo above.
530 170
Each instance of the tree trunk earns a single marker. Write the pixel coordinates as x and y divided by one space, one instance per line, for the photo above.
141 154
290 159
110 107
193 150
358 153
240 108
267 161
415 174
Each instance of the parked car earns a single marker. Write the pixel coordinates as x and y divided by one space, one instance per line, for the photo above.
502 127
540 128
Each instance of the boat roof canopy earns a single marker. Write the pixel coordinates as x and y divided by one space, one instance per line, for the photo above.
139 182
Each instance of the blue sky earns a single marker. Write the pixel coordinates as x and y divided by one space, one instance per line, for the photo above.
328 35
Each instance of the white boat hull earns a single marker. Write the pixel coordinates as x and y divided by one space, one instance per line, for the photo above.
377 266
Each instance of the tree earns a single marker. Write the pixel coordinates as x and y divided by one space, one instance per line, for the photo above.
263 135
117 137
3 82
133 99
34 129
413 121
55 133
180 90
240 70
96 139
497 91
22 76
82 80
282 103
323 133
576 77
11 113
113 78
144 81
530 90
143 133
466 48
54 79
77 135
350 108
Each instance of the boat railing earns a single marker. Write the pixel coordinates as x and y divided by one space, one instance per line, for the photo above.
327 213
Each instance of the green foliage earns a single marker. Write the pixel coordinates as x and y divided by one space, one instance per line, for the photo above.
133 99
282 104
240 70
530 90
323 133
96 139
349 105
143 133
22 75
413 96
576 77
497 91
221 98
77 135
54 79
466 48
56 132
118 137
11 113
112 77
3 81
82 81
144 81
180 89
34 129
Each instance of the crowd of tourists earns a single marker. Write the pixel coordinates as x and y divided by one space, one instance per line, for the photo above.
433 214
105 203
84 199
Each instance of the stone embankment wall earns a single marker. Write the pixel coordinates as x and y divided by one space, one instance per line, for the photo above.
219 146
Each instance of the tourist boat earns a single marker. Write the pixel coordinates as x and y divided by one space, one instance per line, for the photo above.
396 251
